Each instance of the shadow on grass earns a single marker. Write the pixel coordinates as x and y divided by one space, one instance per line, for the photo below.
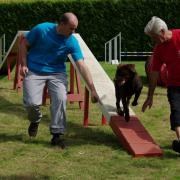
79 135
76 135
8 107
9 137
22 138
3 77
24 177
169 153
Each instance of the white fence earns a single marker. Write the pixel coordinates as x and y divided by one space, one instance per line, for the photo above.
113 51
2 47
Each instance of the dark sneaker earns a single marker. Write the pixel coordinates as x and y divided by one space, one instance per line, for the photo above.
57 141
33 129
176 146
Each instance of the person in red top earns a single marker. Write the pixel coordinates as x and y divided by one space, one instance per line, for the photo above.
167 51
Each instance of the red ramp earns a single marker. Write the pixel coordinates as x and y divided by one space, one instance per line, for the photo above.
134 137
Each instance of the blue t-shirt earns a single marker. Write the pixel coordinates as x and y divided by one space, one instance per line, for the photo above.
49 49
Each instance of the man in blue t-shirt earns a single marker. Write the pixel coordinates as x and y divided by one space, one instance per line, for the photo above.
44 53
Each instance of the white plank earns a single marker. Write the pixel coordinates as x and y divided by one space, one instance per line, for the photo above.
103 84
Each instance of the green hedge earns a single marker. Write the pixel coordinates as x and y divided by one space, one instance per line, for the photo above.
99 21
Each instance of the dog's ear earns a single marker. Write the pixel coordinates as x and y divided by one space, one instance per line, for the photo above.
120 66
131 67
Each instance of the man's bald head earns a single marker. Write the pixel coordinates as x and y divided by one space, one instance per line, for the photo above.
68 17
67 24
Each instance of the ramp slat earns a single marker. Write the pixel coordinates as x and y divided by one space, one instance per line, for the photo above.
134 137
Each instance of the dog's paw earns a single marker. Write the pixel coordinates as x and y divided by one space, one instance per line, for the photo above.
127 117
120 112
134 103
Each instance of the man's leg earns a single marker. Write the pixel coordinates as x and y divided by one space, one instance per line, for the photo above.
33 86
178 132
176 143
174 100
57 87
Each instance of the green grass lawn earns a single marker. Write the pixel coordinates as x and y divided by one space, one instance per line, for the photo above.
93 152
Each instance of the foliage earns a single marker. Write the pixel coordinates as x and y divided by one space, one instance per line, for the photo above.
99 20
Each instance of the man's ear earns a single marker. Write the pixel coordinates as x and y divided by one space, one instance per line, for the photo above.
162 31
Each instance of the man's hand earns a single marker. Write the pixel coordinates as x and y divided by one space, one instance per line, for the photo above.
24 70
94 96
88 79
148 102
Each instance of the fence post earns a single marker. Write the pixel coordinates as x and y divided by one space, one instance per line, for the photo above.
2 47
115 47
110 52
1 52
120 47
112 48
105 46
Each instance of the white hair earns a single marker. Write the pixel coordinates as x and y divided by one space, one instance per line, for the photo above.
155 25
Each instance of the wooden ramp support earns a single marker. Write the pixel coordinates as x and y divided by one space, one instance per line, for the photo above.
78 95
134 137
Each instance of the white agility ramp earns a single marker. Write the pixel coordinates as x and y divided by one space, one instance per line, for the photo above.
12 51
103 84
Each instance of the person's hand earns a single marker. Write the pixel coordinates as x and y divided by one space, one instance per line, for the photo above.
24 70
94 96
147 103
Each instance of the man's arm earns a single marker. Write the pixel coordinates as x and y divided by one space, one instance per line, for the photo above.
88 78
24 49
153 77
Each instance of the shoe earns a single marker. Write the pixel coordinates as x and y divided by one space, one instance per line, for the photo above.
176 146
57 141
33 129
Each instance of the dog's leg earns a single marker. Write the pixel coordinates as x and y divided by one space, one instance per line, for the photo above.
119 110
118 98
136 97
125 103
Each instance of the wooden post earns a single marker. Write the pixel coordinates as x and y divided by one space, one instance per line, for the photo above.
103 121
86 107
18 78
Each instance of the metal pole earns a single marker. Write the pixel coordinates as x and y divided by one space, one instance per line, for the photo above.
110 52
1 52
105 52
115 47
120 47
4 43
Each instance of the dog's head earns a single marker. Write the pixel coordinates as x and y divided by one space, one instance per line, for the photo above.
124 73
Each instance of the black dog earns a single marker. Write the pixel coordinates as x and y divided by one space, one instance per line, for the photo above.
127 83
